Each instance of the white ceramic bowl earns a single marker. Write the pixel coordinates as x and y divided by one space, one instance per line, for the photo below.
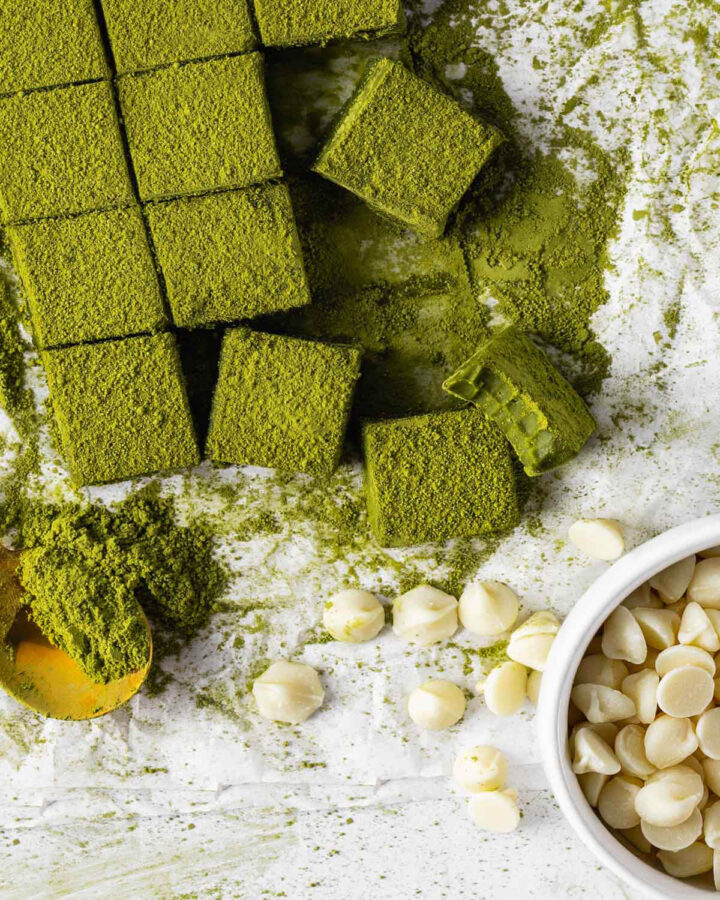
577 630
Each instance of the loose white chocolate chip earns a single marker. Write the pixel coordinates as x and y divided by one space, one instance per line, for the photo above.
674 837
637 839
598 669
593 754
693 860
684 655
697 629
488 608
530 643
708 732
599 538
616 803
436 705
623 637
425 616
533 686
354 616
630 751
288 692
711 825
705 585
669 797
495 811
711 770
480 768
672 582
643 597
602 704
668 741
659 626
641 687
591 783
505 688
685 691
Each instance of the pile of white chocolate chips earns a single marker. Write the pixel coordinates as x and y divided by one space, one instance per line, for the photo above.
645 720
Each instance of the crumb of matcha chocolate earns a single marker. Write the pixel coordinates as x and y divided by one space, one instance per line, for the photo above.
285 23
89 277
199 127
61 153
44 44
437 476
405 148
229 256
282 403
514 383
121 408
148 33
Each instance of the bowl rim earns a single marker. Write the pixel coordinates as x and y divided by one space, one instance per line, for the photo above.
581 624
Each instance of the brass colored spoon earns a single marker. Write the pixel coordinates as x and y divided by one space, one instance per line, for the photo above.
42 677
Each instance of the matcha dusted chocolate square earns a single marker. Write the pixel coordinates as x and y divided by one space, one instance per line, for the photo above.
61 153
285 23
281 402
89 277
439 476
199 127
44 44
121 408
229 256
514 383
406 149
149 33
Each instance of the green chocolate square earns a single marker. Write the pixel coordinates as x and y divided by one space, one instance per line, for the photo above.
88 277
281 402
121 409
44 44
229 256
148 33
514 383
61 153
199 127
406 149
287 23
438 476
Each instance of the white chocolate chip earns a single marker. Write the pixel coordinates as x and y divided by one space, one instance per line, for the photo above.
659 626
599 538
288 692
711 823
602 704
708 732
616 803
711 770
716 869
495 811
705 585
643 597
641 687
672 582
710 552
591 783
630 751
425 615
354 616
488 608
677 607
697 629
480 768
693 860
505 688
685 691
669 797
436 705
593 754
637 839
668 741
684 655
533 686
530 643
674 837
598 669
623 637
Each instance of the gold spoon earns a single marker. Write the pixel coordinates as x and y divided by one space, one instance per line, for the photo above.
42 677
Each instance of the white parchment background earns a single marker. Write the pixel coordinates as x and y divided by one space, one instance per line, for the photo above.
168 798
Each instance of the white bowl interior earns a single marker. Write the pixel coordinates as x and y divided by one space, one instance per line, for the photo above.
577 631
